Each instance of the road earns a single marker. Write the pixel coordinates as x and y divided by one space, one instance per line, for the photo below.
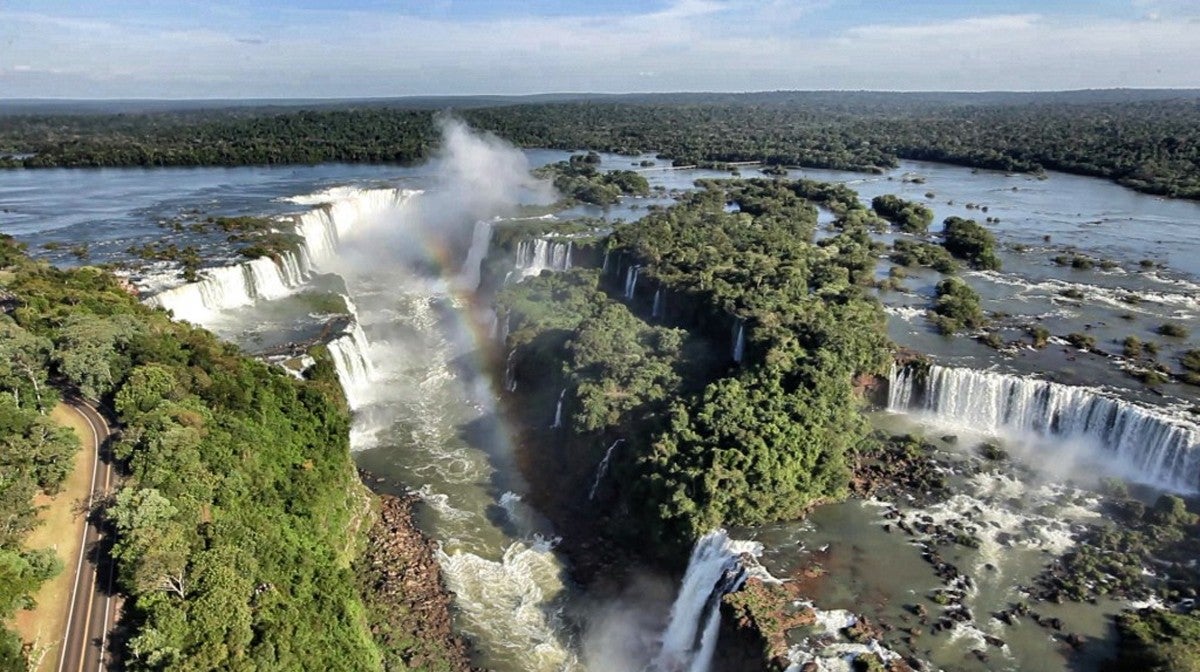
92 613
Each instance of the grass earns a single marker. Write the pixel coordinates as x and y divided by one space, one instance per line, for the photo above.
61 529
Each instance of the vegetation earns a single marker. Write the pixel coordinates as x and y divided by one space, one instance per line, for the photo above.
235 522
711 442
36 455
956 307
908 216
914 253
1172 330
1147 141
967 240
579 179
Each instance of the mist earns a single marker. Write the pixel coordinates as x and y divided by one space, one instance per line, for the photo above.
475 176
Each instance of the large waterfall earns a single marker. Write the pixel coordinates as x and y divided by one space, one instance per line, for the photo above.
354 368
221 288
540 254
714 570
1144 444
472 268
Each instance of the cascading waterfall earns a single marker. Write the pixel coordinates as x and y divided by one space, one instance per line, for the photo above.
602 468
510 371
631 278
340 211
540 254
354 368
714 570
604 266
472 268
1144 444
265 278
225 287
739 341
657 311
558 410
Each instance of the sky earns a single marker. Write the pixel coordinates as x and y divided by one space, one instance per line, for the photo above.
386 48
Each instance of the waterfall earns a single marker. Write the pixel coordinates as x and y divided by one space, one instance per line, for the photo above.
604 267
1145 444
339 212
472 268
558 410
265 278
739 341
631 278
656 311
542 254
602 469
714 570
224 287
354 368
503 335
510 371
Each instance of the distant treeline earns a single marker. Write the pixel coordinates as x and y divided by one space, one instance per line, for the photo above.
1147 142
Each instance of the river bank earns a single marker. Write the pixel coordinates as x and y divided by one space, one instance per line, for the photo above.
408 605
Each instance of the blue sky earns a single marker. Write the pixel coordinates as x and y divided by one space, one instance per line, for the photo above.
322 48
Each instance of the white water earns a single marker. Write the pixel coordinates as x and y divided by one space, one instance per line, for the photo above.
354 368
226 287
541 254
715 569
510 372
657 311
739 342
631 278
602 468
1144 444
558 410
472 268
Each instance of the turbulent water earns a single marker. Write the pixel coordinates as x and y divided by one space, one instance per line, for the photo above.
1136 442
409 358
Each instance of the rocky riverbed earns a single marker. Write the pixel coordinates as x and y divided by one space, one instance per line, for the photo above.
407 601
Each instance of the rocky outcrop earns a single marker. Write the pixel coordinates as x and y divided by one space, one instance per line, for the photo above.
407 602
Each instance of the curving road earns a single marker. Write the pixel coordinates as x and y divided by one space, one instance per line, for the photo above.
91 615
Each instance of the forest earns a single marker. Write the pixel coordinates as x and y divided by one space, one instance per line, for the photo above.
240 513
1150 143
720 348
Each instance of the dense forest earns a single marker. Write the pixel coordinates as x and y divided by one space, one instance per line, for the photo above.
720 348
1149 143
240 513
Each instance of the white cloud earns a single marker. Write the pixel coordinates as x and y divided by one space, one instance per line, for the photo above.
689 45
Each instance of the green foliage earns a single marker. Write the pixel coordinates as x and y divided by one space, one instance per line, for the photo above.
956 307
1159 641
908 216
971 242
914 253
706 444
1156 152
578 179
1172 330
1082 341
231 527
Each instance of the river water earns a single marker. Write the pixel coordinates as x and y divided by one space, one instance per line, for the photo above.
427 420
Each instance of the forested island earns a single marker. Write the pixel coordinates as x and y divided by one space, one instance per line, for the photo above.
1144 140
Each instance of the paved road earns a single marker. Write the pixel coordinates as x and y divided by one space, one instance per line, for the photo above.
92 612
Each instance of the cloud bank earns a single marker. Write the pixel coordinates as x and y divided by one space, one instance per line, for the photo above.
710 45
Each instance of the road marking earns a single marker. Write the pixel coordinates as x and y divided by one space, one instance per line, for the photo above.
62 656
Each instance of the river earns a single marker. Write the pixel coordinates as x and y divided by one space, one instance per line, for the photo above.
426 407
